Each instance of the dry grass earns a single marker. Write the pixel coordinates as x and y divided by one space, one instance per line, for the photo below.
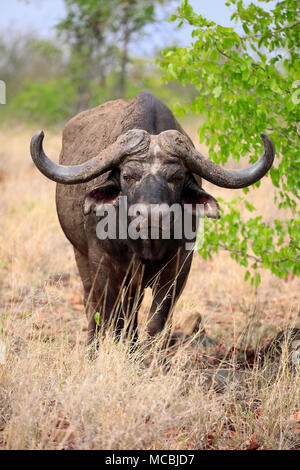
52 397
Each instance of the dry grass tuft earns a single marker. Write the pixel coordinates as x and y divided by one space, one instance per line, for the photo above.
194 397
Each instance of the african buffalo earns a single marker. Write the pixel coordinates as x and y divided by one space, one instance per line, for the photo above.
135 149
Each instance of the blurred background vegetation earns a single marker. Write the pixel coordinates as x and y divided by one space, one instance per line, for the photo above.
234 79
88 61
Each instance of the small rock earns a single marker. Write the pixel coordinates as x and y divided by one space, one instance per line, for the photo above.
59 278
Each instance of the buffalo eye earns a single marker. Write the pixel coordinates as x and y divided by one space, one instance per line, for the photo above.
176 178
131 178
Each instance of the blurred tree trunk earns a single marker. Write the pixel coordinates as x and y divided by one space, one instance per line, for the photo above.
83 99
124 62
124 54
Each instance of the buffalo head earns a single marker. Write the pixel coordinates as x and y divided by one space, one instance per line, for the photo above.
152 170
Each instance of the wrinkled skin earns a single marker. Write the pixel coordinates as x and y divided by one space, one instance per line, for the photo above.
116 272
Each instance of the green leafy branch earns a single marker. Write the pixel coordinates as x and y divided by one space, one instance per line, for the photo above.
246 85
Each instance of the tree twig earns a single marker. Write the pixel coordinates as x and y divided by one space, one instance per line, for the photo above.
272 33
255 258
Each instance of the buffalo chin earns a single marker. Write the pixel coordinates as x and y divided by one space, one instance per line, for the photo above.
151 250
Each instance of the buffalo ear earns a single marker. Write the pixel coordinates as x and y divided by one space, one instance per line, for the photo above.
105 194
193 194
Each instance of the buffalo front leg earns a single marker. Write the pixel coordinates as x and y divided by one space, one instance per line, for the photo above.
100 296
89 298
131 307
83 266
104 300
166 290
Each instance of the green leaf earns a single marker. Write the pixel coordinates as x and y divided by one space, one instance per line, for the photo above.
217 91
171 71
